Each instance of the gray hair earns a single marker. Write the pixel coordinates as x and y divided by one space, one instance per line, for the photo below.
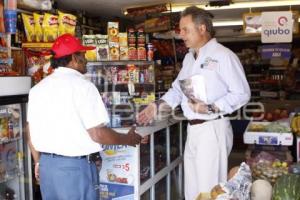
200 16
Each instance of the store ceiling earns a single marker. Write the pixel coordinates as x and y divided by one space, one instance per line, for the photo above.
114 8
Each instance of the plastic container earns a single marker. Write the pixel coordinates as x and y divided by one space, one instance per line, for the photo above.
10 21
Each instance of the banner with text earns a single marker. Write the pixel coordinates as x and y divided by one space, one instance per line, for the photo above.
276 51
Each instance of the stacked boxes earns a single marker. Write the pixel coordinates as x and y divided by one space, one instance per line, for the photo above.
123 46
141 42
113 40
132 52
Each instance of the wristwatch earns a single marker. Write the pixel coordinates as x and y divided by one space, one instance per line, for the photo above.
210 109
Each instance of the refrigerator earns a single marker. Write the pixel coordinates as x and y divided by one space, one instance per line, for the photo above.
15 158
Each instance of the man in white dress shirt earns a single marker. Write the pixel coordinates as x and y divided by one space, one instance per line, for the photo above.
210 137
67 123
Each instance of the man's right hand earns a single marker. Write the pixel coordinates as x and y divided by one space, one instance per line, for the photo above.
133 138
147 115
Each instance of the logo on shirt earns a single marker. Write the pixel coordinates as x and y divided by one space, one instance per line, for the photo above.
210 63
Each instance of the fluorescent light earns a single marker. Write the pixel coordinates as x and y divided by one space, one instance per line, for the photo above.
237 5
228 23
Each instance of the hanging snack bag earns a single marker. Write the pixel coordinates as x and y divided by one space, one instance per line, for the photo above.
50 26
29 27
66 23
89 40
38 21
102 47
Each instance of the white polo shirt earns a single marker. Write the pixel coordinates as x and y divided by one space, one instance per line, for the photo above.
60 110
223 66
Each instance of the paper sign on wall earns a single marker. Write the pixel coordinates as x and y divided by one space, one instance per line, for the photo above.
277 27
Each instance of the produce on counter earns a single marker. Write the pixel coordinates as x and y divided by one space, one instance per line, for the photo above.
287 187
274 127
261 190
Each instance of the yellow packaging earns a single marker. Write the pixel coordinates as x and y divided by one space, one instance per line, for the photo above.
89 40
29 27
123 39
50 26
113 31
38 22
114 53
123 53
66 23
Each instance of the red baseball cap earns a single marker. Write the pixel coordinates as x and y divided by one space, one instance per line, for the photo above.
67 44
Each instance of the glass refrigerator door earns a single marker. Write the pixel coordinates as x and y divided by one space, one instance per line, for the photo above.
12 184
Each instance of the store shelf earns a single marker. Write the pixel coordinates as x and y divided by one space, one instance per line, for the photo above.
121 62
277 68
90 27
254 75
6 140
16 48
254 82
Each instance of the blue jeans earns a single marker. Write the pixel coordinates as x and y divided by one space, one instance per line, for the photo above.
67 178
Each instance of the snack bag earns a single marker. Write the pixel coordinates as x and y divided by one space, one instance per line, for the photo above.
38 21
102 47
66 23
50 26
29 27
89 40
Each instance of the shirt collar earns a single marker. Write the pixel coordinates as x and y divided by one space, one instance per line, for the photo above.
211 41
67 70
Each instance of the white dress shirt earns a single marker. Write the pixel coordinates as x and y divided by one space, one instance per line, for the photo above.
225 66
60 110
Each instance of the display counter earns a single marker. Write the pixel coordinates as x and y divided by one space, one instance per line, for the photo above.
148 171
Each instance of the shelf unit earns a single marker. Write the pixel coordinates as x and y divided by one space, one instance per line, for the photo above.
125 86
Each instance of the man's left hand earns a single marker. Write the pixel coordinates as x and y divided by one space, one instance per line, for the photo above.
198 106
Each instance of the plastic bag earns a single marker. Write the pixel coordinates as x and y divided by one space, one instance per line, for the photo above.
239 186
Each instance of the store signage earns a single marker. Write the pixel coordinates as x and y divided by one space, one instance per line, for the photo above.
277 27
119 173
276 51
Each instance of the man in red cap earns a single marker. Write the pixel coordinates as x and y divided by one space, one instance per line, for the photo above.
67 121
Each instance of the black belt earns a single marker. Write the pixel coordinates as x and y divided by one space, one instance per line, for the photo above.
90 158
200 121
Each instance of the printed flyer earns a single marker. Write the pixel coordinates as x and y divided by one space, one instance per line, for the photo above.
119 173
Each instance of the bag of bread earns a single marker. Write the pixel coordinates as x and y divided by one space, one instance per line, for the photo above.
66 23
50 26
38 22
28 22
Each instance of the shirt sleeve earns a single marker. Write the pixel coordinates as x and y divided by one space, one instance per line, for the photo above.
239 93
92 110
173 96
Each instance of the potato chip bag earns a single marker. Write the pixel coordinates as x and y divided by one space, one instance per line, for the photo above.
38 21
29 27
66 23
50 26
89 40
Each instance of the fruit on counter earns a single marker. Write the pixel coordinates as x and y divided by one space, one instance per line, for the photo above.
216 191
270 116
269 171
261 190
287 187
275 127
232 172
295 124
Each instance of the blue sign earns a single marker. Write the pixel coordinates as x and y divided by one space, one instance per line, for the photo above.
276 51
